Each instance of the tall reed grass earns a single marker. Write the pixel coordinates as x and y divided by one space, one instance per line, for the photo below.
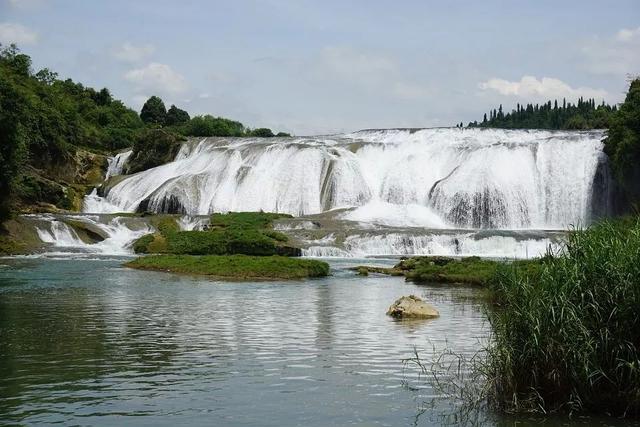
567 336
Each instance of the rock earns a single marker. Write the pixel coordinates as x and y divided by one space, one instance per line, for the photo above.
412 307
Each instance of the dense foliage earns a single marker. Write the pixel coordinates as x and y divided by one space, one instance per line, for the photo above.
623 143
568 337
583 115
44 120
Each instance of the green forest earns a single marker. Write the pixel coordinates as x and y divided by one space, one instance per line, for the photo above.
583 115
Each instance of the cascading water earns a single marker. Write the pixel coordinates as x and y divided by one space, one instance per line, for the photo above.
114 234
436 179
470 178
115 164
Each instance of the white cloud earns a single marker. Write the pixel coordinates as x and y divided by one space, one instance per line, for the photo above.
627 35
530 87
16 33
157 78
128 52
617 55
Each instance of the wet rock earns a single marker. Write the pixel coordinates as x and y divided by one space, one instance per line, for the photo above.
412 307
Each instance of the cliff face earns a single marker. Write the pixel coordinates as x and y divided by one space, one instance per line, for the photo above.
60 185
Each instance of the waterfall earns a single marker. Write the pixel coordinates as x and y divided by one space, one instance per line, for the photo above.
118 234
438 178
115 164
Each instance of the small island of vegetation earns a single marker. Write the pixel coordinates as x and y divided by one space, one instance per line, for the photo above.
237 245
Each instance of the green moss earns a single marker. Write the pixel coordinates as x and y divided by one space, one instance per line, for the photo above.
234 233
235 266
258 220
9 246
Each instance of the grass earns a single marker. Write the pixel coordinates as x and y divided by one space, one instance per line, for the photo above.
234 266
439 269
246 233
568 337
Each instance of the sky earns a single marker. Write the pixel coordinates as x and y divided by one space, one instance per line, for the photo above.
327 66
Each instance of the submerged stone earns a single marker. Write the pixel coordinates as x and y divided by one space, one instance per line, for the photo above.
412 307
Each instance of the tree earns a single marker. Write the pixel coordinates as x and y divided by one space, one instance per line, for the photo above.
176 116
153 111
46 76
622 143
103 97
13 103
262 133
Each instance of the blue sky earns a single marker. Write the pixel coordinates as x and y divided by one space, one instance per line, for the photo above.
328 66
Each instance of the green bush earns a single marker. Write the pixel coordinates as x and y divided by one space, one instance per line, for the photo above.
568 336
233 233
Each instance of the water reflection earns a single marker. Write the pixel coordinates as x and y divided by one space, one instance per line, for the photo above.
89 342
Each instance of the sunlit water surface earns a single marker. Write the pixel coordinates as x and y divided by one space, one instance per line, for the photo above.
88 342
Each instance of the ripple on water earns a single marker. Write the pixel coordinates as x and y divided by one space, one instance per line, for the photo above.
89 342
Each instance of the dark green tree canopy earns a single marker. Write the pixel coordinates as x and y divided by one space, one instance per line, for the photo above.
622 144
262 133
585 114
153 111
176 116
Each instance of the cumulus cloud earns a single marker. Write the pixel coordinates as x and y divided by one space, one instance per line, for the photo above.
530 87
16 33
616 55
157 78
128 52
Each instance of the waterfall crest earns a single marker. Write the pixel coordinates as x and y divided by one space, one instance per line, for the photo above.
438 178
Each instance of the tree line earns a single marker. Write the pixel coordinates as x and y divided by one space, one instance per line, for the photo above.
583 115
155 113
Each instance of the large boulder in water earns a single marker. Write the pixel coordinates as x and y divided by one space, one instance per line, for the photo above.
412 307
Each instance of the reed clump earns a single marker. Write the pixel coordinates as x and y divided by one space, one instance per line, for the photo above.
567 338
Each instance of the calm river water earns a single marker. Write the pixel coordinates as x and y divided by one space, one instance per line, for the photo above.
88 342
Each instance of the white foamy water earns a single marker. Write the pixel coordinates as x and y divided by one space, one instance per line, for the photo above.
119 237
438 178
116 163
